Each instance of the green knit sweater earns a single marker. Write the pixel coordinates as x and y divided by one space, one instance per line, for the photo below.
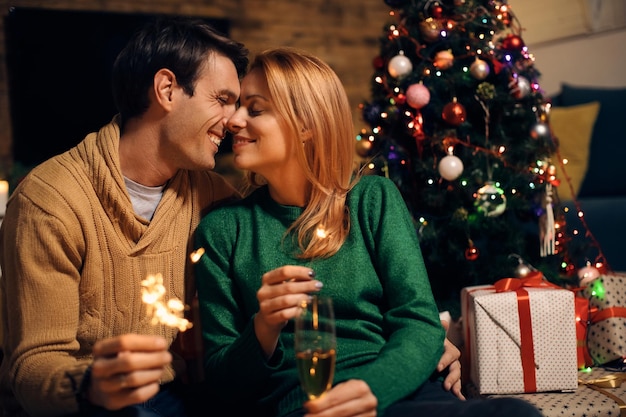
73 255
388 328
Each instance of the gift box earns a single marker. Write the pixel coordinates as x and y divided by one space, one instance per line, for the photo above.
520 337
600 393
606 333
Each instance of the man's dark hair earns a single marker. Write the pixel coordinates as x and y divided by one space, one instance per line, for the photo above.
178 44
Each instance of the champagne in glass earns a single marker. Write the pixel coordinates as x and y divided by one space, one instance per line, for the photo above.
315 346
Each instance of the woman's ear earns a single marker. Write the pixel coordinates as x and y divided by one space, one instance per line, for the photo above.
164 83
305 134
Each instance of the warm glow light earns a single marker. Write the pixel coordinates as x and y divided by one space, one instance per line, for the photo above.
321 232
196 255
168 313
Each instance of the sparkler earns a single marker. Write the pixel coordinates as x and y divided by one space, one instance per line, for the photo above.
168 313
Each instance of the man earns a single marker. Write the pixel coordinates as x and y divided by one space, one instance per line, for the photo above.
86 227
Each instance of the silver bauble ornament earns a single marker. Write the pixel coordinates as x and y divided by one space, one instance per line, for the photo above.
490 200
479 69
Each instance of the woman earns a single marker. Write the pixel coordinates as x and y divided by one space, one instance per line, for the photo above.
312 226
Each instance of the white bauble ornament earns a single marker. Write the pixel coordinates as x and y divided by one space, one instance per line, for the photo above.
490 200
450 167
417 95
399 65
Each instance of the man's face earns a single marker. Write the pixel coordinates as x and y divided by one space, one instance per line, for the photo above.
197 124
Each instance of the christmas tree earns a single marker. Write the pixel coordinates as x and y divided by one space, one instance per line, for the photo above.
458 120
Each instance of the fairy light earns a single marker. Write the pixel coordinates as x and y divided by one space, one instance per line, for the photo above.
168 313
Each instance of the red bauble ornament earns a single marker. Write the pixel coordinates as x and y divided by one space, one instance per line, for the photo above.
472 253
436 10
454 113
513 43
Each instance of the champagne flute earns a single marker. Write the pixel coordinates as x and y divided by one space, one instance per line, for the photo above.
315 345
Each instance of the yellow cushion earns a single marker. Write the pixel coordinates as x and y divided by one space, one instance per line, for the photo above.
573 127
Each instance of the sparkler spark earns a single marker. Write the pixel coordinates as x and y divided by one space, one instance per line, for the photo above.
168 313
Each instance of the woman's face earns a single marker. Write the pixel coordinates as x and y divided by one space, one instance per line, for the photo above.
261 141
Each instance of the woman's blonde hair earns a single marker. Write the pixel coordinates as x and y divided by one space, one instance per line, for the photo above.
308 95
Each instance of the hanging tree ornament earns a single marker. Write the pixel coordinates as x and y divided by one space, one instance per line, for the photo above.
399 65
443 59
417 95
587 274
547 232
430 29
479 69
520 87
513 44
523 268
471 253
490 200
454 113
450 166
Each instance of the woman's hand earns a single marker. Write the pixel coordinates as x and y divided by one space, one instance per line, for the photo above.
348 399
450 360
282 290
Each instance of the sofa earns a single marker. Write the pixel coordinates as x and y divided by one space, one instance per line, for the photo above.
590 127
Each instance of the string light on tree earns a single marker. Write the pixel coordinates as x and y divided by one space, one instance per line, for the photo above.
471 84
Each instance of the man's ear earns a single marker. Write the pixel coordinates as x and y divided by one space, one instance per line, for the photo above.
164 83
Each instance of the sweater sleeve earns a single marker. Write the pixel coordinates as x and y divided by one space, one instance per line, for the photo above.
411 320
235 366
40 287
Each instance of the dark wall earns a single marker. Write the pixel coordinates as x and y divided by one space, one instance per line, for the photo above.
59 69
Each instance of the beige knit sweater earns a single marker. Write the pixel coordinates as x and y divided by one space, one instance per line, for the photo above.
73 255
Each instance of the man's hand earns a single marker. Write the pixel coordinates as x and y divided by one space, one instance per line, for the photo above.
348 399
127 370
450 360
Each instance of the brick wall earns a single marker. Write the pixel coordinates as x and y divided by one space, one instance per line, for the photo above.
344 33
